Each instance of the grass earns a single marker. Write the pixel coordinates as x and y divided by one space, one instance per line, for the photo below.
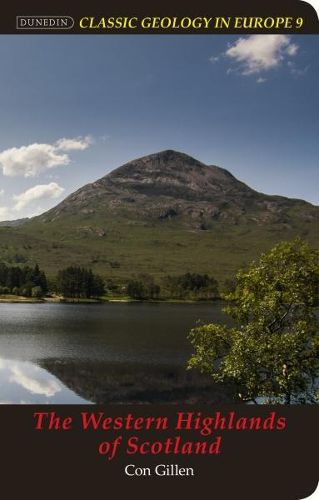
160 249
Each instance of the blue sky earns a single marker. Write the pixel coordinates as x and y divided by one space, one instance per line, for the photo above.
72 108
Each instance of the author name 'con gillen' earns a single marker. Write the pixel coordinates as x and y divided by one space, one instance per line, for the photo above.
161 470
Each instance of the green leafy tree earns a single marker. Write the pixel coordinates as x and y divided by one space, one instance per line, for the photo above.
271 352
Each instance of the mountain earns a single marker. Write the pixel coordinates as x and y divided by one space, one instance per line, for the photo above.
172 185
13 223
165 213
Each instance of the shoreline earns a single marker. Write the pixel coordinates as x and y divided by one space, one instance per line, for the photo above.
60 300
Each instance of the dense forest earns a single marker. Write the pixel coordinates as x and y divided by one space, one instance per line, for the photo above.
191 286
81 283
73 282
78 282
26 281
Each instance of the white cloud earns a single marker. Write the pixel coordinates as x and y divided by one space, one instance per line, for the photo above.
105 137
52 190
261 80
78 143
257 53
4 213
213 59
1 192
31 160
292 49
34 385
295 71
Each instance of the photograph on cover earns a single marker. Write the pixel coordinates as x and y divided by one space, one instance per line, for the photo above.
159 217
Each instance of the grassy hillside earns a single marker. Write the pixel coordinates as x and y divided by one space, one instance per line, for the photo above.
159 250
162 214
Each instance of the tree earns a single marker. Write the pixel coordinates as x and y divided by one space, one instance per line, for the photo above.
136 289
78 282
143 288
20 280
271 353
192 285
98 287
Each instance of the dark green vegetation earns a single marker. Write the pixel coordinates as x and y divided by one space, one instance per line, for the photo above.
25 281
78 282
144 287
191 286
188 286
164 214
81 283
72 282
272 352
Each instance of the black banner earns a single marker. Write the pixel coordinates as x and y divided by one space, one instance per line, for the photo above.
202 17
264 462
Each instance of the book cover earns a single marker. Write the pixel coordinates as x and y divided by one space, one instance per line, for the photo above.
159 249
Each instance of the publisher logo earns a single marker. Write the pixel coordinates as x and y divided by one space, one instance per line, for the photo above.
44 22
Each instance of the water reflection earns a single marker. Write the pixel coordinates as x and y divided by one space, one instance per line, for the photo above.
26 383
108 353
131 383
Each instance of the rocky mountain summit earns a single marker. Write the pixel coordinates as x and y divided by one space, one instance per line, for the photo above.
172 185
